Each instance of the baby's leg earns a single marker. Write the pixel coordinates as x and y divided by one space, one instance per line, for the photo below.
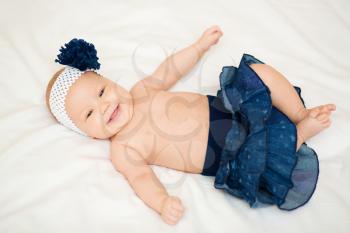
283 95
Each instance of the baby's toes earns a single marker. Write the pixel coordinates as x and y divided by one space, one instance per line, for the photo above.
323 117
324 108
327 123
314 112
331 107
328 108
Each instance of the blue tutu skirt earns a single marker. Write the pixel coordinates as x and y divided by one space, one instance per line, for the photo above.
259 162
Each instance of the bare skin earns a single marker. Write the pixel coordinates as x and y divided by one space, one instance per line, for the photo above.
309 122
170 129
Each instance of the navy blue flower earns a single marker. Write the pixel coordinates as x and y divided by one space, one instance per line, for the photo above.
79 54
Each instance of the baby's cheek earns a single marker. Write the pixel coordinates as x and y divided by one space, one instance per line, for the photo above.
99 129
90 128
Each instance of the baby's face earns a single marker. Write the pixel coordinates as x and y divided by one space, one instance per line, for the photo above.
91 101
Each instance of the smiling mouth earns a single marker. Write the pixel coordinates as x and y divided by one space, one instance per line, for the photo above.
115 114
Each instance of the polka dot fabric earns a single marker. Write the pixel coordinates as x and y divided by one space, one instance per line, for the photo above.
58 96
259 162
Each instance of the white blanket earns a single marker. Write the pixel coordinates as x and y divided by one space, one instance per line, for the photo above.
54 180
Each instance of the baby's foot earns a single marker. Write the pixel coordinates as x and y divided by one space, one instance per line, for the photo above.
326 108
314 123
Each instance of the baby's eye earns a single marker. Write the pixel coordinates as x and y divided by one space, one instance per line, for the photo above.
89 114
102 91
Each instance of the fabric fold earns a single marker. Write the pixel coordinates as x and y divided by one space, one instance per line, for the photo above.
259 162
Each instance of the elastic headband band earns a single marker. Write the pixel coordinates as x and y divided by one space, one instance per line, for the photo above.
58 95
79 56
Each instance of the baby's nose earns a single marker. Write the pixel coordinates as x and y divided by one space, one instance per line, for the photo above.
104 107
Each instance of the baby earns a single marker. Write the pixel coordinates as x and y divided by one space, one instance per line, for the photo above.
251 136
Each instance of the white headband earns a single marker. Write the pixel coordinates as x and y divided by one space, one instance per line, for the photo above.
58 96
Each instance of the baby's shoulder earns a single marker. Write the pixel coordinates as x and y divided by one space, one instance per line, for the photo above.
123 145
118 146
124 157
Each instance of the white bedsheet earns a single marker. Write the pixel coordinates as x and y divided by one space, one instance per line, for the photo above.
54 180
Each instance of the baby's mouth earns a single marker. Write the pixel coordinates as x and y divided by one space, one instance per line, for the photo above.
115 114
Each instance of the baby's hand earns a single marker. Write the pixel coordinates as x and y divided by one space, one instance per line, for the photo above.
172 210
209 37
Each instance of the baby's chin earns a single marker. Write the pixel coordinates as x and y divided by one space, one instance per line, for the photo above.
103 137
108 132
105 133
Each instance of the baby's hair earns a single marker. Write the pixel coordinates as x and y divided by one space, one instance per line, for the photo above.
48 90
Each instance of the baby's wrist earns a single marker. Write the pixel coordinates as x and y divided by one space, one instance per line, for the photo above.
162 201
200 48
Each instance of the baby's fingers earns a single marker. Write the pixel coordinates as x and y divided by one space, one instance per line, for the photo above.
215 28
175 213
172 219
169 221
215 34
178 206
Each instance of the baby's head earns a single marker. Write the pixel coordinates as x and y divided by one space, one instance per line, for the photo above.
84 101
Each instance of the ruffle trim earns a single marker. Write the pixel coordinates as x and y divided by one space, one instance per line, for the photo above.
269 178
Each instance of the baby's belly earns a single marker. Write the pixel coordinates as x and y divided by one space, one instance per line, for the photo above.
178 131
186 156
